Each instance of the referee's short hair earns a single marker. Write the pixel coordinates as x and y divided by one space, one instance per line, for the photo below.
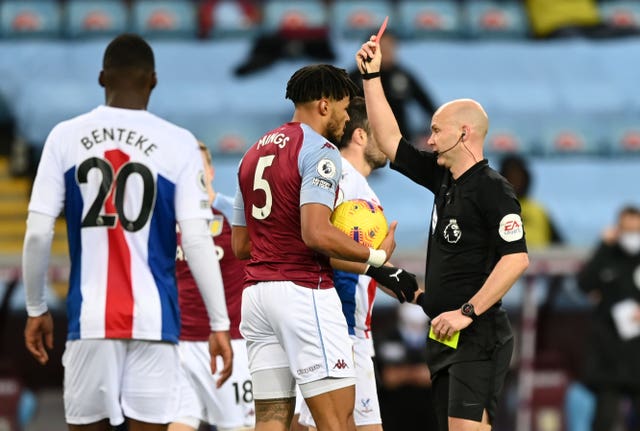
129 51
319 81
357 111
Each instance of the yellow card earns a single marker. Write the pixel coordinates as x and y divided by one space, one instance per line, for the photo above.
452 342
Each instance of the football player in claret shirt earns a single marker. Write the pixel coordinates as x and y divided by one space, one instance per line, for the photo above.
357 284
123 177
228 406
291 313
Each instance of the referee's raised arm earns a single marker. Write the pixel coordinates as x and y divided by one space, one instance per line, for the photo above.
383 123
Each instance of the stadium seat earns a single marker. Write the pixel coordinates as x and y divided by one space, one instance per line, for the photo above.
419 18
234 134
32 18
95 18
509 136
572 136
288 15
624 137
622 14
164 18
229 19
360 18
487 18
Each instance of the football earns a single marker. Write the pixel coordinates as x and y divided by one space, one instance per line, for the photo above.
362 220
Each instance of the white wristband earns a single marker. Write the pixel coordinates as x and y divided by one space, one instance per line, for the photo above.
377 258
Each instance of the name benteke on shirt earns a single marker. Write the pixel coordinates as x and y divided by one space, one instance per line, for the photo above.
126 136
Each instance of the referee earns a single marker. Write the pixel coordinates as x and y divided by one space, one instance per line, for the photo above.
476 251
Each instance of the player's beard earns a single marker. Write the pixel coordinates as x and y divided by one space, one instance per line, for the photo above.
374 157
334 132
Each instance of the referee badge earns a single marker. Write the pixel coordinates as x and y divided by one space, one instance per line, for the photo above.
452 232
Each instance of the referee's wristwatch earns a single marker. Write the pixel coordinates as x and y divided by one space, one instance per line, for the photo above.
468 310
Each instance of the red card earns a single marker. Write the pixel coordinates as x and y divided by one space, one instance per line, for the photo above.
383 27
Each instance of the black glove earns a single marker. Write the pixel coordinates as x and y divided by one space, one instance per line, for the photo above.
401 282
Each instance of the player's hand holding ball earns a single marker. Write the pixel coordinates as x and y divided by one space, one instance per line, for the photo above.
365 223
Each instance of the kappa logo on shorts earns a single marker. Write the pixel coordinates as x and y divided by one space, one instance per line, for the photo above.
340 364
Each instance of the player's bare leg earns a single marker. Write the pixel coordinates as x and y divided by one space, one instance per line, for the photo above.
103 425
177 426
135 425
374 427
274 415
467 425
296 426
333 411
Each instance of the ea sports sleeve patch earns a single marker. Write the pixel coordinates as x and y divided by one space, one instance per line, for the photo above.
510 228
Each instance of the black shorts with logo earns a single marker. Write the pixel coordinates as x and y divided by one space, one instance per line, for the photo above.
465 389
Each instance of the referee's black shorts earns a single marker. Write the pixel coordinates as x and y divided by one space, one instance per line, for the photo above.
465 389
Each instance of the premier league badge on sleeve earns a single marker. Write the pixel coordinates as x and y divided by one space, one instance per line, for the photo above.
326 168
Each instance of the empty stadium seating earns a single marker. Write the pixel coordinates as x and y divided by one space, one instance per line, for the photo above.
30 18
438 18
623 14
360 18
288 15
85 18
228 19
490 18
166 18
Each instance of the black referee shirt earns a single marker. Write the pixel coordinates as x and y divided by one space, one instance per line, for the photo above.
474 222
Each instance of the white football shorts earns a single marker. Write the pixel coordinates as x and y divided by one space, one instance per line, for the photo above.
230 406
290 326
367 407
114 379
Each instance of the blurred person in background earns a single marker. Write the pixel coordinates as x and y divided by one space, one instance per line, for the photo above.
356 283
203 398
541 230
401 357
290 41
124 177
611 278
401 87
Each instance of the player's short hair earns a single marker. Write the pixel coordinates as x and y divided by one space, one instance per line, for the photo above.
317 81
128 51
357 120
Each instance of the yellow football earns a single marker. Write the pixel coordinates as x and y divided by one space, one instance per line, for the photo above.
362 220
